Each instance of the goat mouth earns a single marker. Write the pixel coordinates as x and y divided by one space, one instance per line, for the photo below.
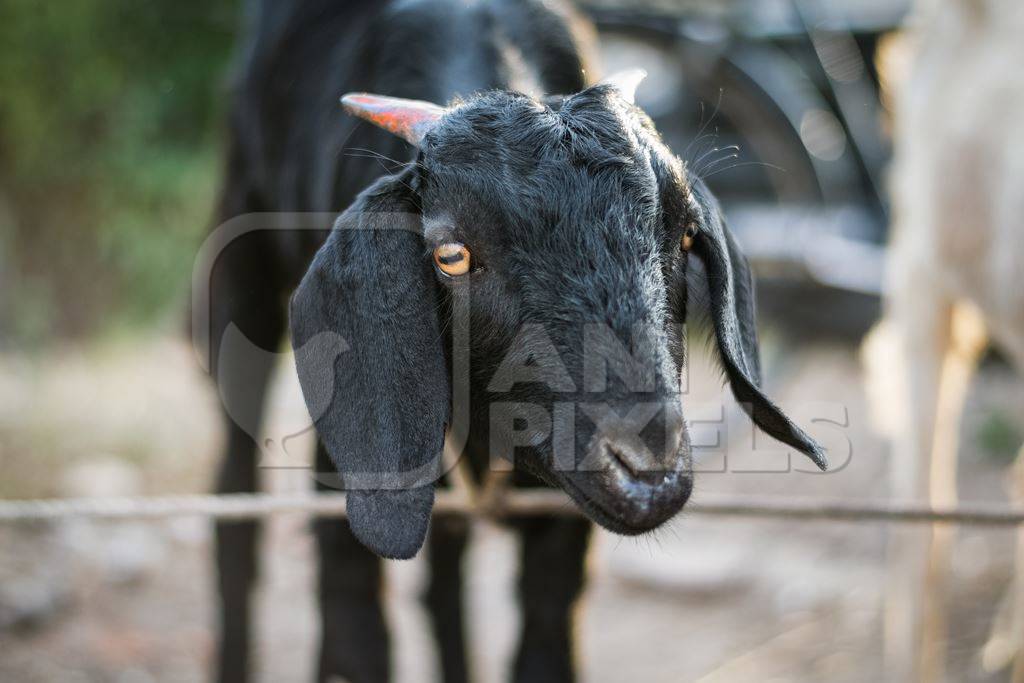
625 504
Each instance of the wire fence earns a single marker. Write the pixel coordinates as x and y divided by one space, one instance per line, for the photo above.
518 503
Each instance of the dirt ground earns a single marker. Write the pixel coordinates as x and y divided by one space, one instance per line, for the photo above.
703 601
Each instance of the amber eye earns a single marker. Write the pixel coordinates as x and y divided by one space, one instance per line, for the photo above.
687 241
452 258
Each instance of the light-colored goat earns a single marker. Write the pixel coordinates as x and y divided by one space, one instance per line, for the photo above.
955 280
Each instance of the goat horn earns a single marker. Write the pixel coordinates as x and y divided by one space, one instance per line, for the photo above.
626 82
410 120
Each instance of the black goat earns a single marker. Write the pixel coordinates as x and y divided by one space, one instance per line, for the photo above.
569 221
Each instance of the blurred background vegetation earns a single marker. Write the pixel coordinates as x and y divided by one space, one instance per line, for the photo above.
109 160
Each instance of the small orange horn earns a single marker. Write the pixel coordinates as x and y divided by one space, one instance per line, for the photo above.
626 82
410 120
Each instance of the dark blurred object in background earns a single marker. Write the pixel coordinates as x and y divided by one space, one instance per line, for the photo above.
776 103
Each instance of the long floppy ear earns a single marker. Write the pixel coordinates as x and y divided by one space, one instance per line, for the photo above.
371 365
733 315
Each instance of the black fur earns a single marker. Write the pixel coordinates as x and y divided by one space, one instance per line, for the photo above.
385 409
574 212
732 308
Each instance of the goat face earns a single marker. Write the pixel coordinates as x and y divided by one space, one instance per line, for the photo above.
557 235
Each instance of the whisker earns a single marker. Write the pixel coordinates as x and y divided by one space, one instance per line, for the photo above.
388 171
707 123
711 137
734 148
378 155
698 140
715 162
747 163
704 149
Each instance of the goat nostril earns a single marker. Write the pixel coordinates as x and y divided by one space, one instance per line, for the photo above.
619 457
639 467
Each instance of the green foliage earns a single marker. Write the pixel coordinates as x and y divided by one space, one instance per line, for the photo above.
999 437
109 157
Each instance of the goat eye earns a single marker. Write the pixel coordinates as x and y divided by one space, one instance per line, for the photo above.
452 258
687 241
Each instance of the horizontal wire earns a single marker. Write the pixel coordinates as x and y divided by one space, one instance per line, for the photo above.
514 503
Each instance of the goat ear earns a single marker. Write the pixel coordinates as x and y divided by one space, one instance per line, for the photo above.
378 397
733 315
